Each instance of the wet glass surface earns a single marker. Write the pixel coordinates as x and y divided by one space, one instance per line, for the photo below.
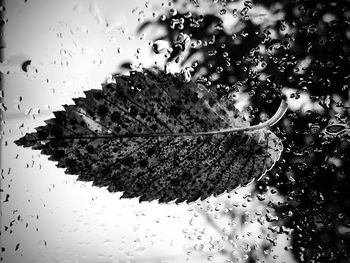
230 55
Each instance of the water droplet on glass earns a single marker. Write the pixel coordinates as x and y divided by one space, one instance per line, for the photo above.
173 12
160 46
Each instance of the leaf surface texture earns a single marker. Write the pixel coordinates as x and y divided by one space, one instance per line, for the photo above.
122 137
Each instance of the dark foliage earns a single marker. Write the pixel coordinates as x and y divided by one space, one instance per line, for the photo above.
307 53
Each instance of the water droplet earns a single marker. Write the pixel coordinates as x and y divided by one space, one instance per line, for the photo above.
173 12
25 65
160 46
188 14
183 41
244 11
248 4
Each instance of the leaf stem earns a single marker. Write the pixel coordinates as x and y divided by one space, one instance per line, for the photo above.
272 121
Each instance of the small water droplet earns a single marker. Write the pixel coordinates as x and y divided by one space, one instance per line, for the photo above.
173 12
248 4
244 11
160 46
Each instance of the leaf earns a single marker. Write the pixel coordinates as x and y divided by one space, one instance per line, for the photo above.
154 136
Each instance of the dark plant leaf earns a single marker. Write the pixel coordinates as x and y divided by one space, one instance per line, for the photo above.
155 136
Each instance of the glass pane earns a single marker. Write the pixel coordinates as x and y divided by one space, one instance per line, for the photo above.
175 131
